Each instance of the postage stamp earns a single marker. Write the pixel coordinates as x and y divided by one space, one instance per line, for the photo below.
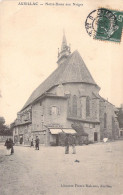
105 24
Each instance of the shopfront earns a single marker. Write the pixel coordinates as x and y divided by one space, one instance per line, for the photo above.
57 136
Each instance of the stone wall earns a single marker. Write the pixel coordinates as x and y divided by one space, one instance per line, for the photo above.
24 132
56 110
82 92
110 129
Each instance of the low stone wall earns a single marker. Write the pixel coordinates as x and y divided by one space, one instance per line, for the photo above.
3 138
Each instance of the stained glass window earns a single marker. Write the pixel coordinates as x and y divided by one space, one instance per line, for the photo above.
87 106
74 105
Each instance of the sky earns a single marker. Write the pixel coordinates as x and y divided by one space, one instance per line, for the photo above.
29 40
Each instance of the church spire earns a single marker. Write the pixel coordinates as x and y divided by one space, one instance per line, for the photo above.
64 42
65 50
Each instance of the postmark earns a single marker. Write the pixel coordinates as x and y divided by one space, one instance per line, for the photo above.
104 24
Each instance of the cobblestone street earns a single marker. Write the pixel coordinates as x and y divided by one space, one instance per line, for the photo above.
49 171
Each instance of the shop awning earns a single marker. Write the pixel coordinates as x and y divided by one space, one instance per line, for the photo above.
55 131
69 131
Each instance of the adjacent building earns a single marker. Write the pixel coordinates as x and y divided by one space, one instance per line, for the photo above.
68 96
120 120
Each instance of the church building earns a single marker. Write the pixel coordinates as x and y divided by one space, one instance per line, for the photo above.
68 97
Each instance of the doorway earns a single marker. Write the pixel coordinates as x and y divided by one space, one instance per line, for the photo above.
57 140
95 136
21 139
121 133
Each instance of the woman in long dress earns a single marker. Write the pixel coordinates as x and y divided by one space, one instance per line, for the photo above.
8 147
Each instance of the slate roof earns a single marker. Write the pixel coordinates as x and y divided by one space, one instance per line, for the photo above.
73 69
104 100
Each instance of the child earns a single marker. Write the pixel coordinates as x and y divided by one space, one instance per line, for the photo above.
32 143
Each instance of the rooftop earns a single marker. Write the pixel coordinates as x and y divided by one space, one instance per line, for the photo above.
72 70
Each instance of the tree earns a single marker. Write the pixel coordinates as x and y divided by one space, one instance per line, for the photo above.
4 129
82 136
2 122
79 129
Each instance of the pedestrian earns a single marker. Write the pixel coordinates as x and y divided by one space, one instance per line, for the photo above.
74 144
6 143
11 145
37 143
67 144
21 140
8 146
32 144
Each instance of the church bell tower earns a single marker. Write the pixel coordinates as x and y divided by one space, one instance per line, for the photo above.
65 51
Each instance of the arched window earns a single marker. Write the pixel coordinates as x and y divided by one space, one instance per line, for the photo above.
105 120
88 106
74 105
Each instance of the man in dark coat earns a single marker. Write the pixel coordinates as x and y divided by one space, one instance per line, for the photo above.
11 146
67 144
37 143
74 144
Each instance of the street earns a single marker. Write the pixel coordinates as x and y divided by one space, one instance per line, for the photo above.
95 169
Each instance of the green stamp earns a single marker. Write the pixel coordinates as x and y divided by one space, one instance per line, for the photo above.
104 24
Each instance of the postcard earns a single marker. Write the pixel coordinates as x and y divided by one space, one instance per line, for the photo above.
61 97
